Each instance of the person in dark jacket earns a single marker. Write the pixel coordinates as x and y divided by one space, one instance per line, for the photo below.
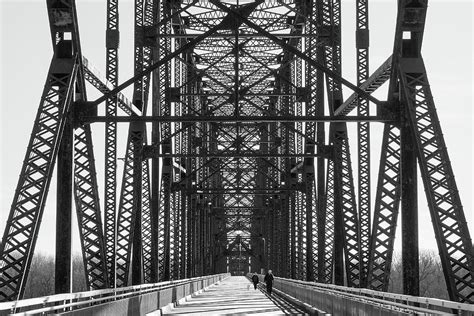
269 281
255 280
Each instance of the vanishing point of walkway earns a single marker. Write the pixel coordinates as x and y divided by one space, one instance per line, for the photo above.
234 296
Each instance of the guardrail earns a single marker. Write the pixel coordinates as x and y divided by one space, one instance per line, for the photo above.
70 302
336 299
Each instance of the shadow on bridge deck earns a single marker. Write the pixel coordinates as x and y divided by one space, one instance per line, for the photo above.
234 296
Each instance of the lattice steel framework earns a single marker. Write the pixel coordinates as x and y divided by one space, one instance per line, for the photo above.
110 198
228 166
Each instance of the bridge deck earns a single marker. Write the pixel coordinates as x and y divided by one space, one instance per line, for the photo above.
236 296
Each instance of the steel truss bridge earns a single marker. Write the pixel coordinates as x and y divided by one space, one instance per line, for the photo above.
237 152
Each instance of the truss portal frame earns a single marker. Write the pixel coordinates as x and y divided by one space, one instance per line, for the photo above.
227 164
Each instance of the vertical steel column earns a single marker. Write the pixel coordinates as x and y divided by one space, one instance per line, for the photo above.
62 272
178 192
447 214
292 222
316 214
155 161
182 239
127 218
332 23
299 169
273 215
191 85
449 223
326 266
137 130
181 109
155 190
388 195
88 210
312 107
136 134
110 194
362 46
264 201
164 47
339 223
146 223
321 170
387 202
287 207
21 230
410 255
190 240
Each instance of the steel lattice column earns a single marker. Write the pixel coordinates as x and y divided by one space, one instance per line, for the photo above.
27 209
322 241
30 196
87 199
454 241
331 19
125 219
165 209
313 85
110 199
88 210
146 43
131 182
326 267
387 202
146 222
362 47
136 138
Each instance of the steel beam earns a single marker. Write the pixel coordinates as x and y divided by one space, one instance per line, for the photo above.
236 119
386 209
62 271
362 48
409 207
112 39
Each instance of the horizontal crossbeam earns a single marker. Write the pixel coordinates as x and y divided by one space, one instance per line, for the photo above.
236 119
154 153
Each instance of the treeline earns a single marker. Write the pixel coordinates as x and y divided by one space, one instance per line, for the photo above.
41 277
432 284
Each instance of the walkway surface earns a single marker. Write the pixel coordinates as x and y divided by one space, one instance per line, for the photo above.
234 296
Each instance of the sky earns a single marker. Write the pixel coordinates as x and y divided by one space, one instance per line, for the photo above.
26 51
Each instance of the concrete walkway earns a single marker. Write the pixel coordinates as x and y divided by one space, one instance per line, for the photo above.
234 296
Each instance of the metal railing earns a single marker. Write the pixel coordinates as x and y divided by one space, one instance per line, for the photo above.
301 290
72 301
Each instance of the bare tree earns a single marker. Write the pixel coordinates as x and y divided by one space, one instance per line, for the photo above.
432 282
41 277
395 284
78 276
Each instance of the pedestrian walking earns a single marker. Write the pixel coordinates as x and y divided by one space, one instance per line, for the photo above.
269 281
255 280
